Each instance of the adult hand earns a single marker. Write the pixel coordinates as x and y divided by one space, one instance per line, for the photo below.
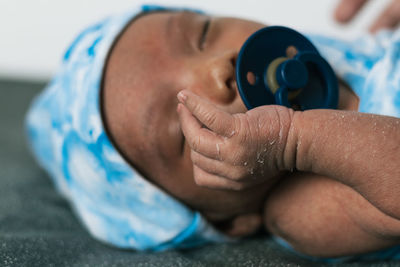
234 151
389 18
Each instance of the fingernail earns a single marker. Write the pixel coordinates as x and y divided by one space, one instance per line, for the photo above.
182 97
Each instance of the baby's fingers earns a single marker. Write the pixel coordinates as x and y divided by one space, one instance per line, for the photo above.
220 168
205 179
199 139
216 120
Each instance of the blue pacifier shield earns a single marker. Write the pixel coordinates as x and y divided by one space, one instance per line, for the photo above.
267 73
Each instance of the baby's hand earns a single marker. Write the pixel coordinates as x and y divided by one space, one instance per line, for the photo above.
237 151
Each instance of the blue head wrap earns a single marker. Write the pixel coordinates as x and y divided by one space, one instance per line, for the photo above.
115 203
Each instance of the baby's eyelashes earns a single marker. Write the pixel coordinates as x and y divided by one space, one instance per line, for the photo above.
203 36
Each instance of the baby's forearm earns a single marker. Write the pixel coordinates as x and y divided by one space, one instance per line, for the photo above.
360 150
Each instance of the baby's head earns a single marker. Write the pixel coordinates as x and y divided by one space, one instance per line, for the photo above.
116 167
158 55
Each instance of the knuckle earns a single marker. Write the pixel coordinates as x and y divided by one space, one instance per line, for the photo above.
196 143
191 139
235 176
200 180
233 173
207 116
237 186
211 119
238 158
202 112
239 174
194 157
197 180
238 124
197 108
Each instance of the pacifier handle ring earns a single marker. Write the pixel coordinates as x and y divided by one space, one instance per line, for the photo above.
282 96
275 81
331 98
332 95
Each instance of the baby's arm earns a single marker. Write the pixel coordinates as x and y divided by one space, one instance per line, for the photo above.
322 217
357 149
356 209
242 150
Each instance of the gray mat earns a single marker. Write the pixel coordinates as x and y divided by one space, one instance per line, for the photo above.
37 227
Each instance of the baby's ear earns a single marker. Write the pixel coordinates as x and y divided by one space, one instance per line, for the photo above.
242 225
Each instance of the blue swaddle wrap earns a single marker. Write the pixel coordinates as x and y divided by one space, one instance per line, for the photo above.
370 65
66 132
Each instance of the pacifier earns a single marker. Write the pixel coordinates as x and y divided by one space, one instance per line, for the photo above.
266 73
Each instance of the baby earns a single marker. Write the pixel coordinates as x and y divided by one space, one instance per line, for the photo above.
146 107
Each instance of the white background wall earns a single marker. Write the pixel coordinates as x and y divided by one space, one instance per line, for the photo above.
35 33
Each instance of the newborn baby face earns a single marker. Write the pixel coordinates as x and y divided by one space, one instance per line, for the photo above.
157 56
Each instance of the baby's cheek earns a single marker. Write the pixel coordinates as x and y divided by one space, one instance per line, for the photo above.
237 106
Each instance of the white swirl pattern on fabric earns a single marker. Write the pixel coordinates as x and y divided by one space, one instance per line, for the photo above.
371 66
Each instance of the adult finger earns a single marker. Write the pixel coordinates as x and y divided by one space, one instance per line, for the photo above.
216 120
347 9
205 179
389 18
199 139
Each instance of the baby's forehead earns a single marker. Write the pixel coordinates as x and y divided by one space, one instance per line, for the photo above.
132 81
143 64
149 46
138 48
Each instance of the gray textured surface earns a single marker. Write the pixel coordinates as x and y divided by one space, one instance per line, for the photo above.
37 227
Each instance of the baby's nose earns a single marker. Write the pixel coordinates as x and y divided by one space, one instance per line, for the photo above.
221 70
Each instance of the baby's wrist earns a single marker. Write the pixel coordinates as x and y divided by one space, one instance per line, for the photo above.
293 150
281 134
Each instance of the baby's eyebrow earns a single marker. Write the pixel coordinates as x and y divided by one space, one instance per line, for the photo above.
169 27
173 29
